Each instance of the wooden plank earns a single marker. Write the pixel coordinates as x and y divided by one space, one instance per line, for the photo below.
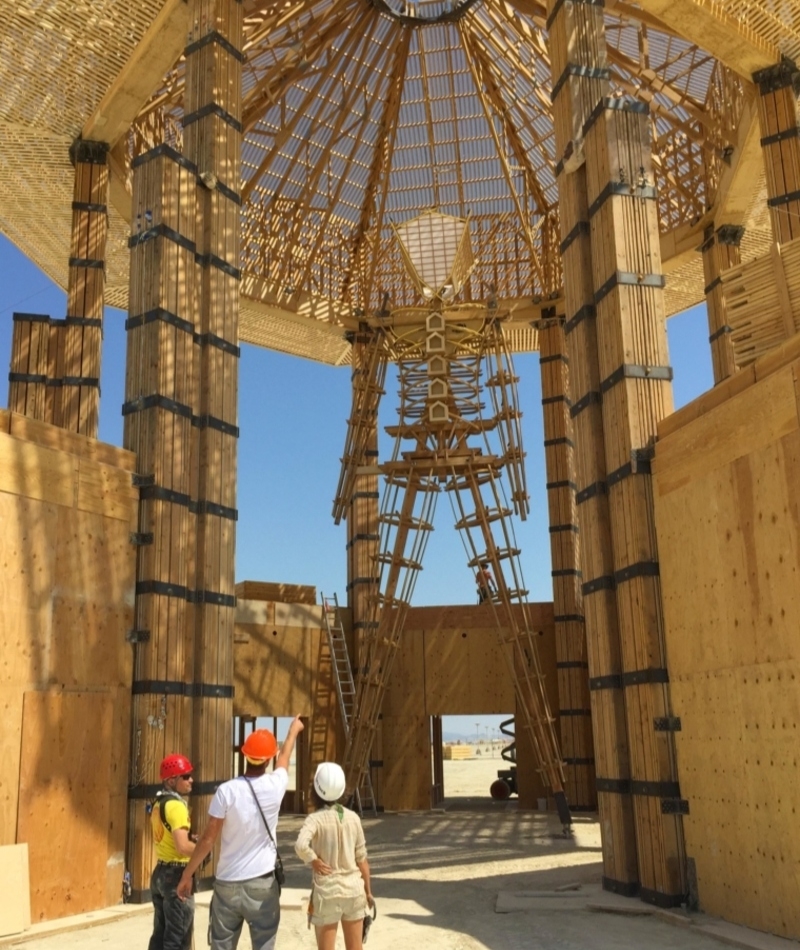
54 437
64 771
276 592
15 895
713 441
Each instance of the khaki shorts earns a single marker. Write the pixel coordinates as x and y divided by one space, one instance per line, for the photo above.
330 910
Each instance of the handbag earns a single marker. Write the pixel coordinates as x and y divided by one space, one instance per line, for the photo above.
280 874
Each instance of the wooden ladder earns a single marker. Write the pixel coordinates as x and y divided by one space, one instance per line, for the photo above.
345 691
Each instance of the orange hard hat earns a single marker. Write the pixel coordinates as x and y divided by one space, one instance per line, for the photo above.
259 746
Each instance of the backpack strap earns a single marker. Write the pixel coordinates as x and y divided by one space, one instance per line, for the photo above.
162 798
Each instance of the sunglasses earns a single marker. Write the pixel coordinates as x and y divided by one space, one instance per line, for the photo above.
187 777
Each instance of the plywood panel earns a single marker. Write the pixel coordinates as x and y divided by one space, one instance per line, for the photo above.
406 774
63 803
54 437
10 740
729 545
15 899
34 472
273 672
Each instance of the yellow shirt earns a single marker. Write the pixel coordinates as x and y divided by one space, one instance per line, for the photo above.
176 811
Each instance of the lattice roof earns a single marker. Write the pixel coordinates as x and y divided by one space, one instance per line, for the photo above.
363 113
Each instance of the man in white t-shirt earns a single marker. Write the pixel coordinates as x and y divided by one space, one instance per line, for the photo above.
245 888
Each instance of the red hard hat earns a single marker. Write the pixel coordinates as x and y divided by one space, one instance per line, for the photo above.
260 745
174 765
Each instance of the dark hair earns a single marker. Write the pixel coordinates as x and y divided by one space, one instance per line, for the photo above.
319 801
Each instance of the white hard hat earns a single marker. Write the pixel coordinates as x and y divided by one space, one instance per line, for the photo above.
329 782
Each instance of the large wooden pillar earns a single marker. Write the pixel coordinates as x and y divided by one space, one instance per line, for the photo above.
780 141
636 392
363 536
159 395
720 251
213 143
571 663
577 48
55 364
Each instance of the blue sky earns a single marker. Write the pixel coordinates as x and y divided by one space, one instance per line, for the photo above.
292 419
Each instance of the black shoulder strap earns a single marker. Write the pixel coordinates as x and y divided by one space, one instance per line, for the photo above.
163 798
258 806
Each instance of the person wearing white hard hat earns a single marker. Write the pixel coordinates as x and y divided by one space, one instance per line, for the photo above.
332 843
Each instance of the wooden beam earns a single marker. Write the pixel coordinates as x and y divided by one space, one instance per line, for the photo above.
154 55
716 32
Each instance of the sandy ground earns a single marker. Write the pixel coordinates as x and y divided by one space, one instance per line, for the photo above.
472 875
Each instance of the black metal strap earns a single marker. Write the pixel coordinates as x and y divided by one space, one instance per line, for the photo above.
211 422
177 688
607 104
667 724
587 312
159 313
94 322
572 761
27 378
624 888
643 677
730 234
211 597
779 200
616 786
569 618
622 189
581 227
639 569
572 665
578 70
596 488
609 681
87 152
553 357
558 528
779 76
215 37
213 108
228 193
549 400
211 339
159 493
157 401
87 262
89 206
604 582
714 283
591 398
659 899
656 789
629 279
162 230
638 465
165 151
562 440
141 538
720 332
211 260
674 806
361 537
364 494
357 581
562 484
142 481
204 507
80 381
566 572
574 712
138 636
162 588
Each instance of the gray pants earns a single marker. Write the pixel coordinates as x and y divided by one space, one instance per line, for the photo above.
256 901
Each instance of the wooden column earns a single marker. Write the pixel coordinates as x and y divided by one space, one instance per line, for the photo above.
363 536
78 399
30 365
159 395
577 45
636 391
720 251
213 142
780 141
571 662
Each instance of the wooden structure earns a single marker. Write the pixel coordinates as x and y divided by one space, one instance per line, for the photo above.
68 507
616 164
728 518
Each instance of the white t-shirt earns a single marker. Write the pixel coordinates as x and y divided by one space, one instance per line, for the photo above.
246 851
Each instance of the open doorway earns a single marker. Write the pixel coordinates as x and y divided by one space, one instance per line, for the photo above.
467 755
294 802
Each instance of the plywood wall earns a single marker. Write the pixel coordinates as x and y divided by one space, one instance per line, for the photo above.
448 662
727 498
67 510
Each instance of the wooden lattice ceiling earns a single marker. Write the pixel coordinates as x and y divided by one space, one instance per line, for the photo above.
360 113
